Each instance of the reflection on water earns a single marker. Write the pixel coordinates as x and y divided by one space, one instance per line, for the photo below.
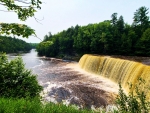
30 59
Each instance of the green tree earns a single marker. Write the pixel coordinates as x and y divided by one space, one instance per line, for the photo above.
114 19
141 20
125 45
47 37
24 9
11 45
120 25
140 24
15 80
132 36
108 37
45 48
115 33
144 44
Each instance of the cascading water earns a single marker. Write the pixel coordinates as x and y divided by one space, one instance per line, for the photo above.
118 70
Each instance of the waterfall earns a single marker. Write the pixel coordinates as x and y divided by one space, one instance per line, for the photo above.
118 70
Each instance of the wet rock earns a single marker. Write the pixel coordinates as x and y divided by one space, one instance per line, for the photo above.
76 101
88 96
59 94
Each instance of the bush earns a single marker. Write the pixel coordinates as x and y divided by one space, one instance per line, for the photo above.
135 102
15 80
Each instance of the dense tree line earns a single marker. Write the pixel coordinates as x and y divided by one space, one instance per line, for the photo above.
33 45
11 45
112 36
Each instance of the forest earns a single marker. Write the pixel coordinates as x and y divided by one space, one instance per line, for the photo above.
110 37
13 45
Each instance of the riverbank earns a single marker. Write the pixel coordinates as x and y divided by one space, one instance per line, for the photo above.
141 59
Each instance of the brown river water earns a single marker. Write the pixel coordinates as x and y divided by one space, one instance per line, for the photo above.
66 82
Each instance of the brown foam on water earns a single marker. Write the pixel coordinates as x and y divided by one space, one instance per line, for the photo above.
70 82
66 81
100 82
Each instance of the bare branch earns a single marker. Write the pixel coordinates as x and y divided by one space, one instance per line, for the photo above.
36 36
37 20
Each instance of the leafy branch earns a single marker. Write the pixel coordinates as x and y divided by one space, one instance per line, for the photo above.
23 11
16 29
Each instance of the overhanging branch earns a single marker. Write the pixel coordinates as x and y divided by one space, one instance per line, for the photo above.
37 20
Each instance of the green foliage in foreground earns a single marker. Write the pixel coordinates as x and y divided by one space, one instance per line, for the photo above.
35 106
24 9
15 80
135 102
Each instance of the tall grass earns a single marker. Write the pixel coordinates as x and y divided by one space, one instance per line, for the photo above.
10 105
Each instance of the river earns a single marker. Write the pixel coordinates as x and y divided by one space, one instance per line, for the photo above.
66 82
30 59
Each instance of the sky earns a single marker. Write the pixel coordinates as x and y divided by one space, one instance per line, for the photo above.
58 15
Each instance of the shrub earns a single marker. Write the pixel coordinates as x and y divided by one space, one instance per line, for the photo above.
15 80
134 102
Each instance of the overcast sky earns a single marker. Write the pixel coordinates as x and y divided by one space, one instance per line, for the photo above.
59 15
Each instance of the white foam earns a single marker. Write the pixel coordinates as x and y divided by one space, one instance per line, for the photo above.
41 63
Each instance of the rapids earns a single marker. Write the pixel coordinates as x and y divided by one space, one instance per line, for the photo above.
79 83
